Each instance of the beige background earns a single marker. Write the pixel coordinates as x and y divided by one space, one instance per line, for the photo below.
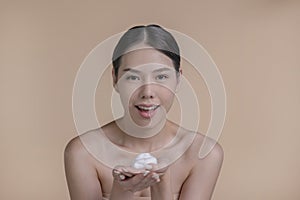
255 44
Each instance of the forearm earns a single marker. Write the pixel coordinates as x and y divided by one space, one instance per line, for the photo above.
162 190
118 193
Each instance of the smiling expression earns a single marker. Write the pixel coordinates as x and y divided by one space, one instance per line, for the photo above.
146 83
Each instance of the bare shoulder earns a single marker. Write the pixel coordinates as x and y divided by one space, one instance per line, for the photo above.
76 147
206 157
210 148
80 170
205 150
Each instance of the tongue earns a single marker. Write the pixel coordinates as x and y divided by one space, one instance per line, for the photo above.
146 113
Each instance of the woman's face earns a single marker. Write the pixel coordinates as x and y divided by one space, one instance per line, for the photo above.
146 83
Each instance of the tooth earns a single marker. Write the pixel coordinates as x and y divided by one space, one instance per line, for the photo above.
147 108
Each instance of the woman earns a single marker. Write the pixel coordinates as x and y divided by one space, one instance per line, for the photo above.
146 73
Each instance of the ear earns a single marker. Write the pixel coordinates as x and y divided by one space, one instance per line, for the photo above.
179 74
115 80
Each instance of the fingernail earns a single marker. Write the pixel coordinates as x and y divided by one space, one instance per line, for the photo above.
122 177
146 172
155 176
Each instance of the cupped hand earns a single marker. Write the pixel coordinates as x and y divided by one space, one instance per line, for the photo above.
131 179
162 168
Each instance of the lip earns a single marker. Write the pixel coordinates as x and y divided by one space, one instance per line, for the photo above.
147 110
147 106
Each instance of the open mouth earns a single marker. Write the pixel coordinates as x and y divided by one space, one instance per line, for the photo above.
146 108
147 111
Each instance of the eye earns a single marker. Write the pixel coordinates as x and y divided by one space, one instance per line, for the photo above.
132 78
161 77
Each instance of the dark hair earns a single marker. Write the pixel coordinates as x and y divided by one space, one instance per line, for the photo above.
153 35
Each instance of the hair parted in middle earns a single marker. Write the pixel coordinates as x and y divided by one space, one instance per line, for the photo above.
151 35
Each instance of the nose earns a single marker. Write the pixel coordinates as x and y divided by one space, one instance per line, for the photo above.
147 92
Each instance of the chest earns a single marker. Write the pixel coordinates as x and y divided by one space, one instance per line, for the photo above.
179 172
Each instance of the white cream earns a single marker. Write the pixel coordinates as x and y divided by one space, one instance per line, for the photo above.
144 159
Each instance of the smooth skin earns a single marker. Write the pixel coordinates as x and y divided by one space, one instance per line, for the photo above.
189 177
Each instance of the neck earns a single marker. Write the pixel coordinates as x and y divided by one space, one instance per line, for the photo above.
140 139
149 130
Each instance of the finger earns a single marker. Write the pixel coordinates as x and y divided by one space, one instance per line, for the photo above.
155 177
127 171
122 177
153 181
115 173
160 174
133 182
150 179
140 182
134 170
144 182
119 167
119 175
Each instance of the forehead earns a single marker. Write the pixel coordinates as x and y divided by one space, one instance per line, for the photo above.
144 56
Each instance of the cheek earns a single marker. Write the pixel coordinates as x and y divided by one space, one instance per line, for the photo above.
127 94
170 85
167 96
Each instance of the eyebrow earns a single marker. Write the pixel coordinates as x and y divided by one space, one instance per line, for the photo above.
155 71
163 69
131 70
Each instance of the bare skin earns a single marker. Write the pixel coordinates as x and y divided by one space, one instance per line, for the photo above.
188 178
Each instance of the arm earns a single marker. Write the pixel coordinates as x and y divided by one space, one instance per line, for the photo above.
201 182
162 189
133 180
82 177
118 192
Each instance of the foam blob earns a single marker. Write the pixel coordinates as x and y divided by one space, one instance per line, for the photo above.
144 159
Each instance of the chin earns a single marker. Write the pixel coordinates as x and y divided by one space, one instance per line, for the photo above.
150 121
